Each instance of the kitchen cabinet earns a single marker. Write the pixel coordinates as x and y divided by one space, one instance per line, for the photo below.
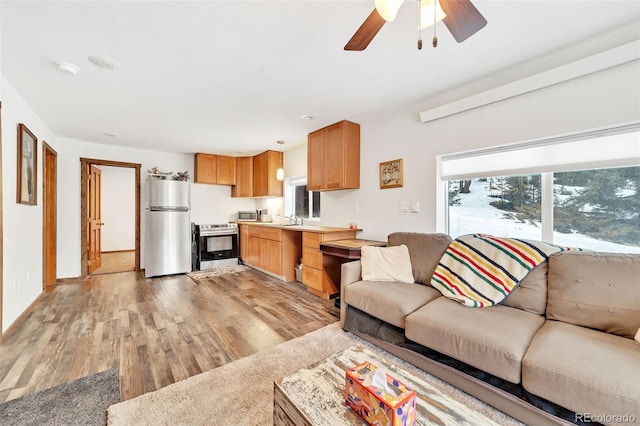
272 250
244 178
215 169
243 230
265 166
333 157
321 274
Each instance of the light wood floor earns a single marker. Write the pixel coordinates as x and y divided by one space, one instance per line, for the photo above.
156 331
116 261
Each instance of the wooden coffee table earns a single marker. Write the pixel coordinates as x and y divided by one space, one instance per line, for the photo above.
315 395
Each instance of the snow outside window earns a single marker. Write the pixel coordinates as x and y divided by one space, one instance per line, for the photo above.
595 208
299 201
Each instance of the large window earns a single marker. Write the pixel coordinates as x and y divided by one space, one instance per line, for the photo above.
583 191
504 206
299 201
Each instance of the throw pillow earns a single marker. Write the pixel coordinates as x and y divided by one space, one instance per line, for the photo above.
637 338
386 264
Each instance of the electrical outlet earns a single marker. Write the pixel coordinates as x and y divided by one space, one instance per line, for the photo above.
415 207
356 207
404 206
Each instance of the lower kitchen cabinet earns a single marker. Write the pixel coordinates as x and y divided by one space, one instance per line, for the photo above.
277 250
273 250
321 274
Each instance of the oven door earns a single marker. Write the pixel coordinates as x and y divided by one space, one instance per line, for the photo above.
214 248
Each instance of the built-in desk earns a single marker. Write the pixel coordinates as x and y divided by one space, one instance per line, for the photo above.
348 249
335 253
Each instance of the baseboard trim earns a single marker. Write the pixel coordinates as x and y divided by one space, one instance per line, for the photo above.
118 251
23 316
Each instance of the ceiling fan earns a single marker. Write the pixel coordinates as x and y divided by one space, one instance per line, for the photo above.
460 16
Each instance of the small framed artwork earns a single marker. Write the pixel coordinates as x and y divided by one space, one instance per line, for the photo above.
391 174
27 166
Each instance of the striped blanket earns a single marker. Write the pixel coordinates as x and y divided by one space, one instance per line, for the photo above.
480 270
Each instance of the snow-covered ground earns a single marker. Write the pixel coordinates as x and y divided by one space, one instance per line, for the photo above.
474 214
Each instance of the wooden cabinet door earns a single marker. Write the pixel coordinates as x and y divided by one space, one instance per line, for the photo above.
205 168
334 156
244 178
273 257
244 242
225 170
315 160
260 170
274 186
253 257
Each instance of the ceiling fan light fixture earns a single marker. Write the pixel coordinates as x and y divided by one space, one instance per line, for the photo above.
426 13
388 9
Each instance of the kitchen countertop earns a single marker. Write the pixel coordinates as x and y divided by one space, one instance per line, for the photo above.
302 228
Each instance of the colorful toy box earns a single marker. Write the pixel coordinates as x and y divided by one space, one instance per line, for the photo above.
390 404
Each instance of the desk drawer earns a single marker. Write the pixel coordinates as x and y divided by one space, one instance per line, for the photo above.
311 257
312 239
312 278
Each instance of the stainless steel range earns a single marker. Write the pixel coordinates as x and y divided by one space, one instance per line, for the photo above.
214 246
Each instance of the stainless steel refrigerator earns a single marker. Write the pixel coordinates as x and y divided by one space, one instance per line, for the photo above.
168 229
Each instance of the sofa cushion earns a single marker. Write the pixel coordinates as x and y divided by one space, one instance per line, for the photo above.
493 339
531 293
388 301
595 290
425 251
584 370
386 264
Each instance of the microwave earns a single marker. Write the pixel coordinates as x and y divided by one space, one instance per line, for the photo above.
248 216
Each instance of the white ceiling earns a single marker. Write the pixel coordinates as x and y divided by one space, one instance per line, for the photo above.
233 77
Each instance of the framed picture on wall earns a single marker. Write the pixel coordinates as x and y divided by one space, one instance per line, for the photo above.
27 167
391 174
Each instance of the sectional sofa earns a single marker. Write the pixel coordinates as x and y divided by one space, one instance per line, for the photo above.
559 349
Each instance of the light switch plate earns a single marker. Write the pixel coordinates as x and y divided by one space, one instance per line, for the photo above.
404 206
415 207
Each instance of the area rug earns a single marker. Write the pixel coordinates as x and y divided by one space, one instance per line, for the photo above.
208 273
81 402
241 392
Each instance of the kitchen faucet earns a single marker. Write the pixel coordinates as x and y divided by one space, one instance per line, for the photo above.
293 218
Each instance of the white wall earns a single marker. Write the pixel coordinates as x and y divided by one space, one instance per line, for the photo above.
118 208
22 224
597 100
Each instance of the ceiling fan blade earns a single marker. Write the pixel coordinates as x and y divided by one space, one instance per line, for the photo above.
366 32
463 19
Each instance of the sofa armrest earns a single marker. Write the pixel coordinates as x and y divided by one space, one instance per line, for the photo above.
350 272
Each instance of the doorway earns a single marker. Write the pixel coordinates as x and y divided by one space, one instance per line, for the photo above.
92 221
49 208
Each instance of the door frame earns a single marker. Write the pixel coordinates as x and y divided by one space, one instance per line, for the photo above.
84 175
49 214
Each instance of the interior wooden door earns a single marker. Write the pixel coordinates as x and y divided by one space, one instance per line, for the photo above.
50 218
94 222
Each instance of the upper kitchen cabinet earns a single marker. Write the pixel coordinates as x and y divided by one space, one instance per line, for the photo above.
244 178
333 157
215 169
265 167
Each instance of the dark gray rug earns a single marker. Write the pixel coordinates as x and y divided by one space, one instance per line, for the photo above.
81 402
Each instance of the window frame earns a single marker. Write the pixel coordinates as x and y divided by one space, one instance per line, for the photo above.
547 176
289 197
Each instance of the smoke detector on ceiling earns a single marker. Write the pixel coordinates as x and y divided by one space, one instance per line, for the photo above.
67 67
